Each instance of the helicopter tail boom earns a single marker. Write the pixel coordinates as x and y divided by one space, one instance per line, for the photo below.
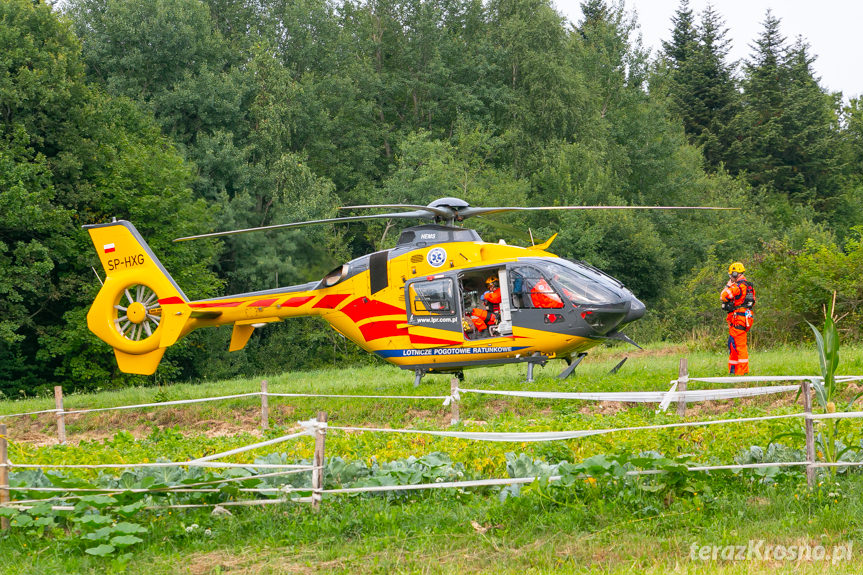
140 310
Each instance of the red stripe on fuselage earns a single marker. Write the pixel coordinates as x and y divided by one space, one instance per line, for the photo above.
170 300
216 304
262 303
364 308
298 301
433 340
331 301
381 329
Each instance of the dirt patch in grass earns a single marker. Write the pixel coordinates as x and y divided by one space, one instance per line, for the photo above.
497 406
769 403
605 408
249 563
634 353
42 430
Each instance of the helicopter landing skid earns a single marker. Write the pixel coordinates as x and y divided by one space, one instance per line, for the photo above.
418 376
533 361
571 367
617 367
420 373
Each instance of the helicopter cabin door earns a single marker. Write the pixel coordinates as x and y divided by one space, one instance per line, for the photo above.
433 314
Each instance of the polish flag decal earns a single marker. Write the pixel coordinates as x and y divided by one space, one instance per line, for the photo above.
108 248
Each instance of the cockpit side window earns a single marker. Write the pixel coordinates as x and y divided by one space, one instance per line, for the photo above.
432 297
530 289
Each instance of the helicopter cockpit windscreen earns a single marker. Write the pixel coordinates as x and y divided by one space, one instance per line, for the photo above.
582 285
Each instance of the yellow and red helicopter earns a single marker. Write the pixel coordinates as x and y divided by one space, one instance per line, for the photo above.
407 304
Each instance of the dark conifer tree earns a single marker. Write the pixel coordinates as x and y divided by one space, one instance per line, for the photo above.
683 36
718 99
702 91
788 128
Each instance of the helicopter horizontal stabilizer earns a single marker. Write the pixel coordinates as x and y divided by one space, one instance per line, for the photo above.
240 336
243 331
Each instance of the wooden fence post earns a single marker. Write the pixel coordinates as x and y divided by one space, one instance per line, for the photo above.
61 419
265 406
453 390
4 474
318 471
682 379
810 433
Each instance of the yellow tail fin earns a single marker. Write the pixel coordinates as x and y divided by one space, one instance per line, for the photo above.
140 309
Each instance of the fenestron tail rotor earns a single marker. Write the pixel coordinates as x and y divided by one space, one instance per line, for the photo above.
137 314
448 211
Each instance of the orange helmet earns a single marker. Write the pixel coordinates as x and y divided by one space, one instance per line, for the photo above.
736 267
491 280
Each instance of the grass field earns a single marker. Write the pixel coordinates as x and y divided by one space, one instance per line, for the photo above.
602 526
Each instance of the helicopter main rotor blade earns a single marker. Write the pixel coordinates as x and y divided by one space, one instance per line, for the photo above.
433 211
416 214
468 212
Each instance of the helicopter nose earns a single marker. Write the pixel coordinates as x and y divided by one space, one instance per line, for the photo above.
606 318
636 310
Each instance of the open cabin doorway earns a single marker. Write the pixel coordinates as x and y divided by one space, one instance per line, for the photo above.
481 318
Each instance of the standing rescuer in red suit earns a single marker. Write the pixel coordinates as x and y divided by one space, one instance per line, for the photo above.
737 299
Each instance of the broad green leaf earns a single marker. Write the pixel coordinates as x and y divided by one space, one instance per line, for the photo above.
101 550
93 520
98 501
40 509
127 528
131 509
101 534
125 540
22 520
819 342
44 521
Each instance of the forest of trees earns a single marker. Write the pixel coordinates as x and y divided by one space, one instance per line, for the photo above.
188 116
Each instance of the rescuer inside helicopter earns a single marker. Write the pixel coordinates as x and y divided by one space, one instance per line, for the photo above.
738 298
478 322
491 297
543 296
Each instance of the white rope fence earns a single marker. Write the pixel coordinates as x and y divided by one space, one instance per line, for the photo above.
259 445
164 403
627 397
343 396
538 436
444 398
29 413
643 396
319 427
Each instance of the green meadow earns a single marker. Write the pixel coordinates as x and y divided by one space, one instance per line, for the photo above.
605 523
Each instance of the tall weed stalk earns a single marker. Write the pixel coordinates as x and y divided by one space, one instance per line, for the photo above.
827 342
